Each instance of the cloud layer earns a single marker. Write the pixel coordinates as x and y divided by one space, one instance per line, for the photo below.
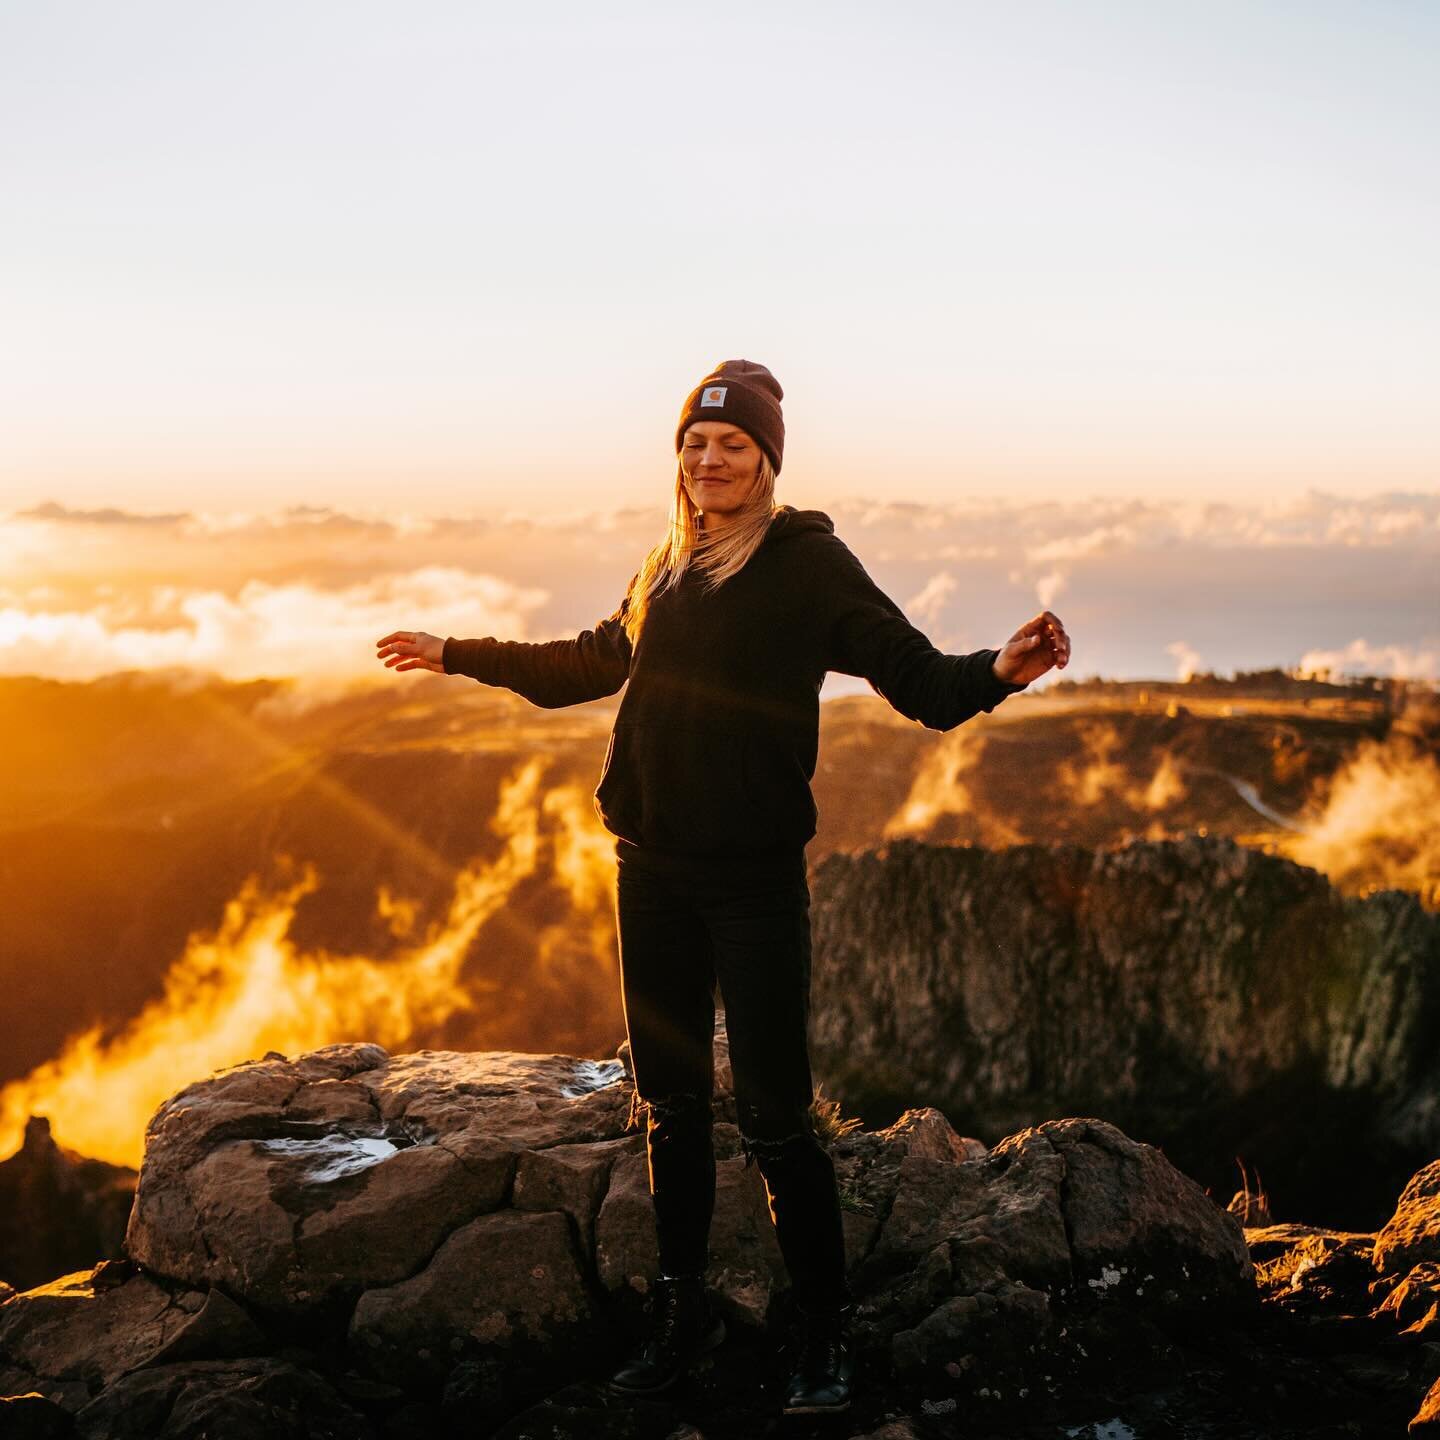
1146 590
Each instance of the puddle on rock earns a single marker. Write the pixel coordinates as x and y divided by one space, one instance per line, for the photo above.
331 1157
592 1075
1115 1429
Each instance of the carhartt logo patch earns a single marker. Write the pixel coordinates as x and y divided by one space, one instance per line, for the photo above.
715 395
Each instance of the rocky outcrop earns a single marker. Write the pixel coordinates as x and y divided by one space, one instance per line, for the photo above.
1367 1304
1412 1234
1211 998
58 1210
348 1234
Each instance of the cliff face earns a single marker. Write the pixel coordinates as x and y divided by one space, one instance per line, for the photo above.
1202 996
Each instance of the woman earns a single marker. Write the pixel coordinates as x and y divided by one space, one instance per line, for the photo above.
725 635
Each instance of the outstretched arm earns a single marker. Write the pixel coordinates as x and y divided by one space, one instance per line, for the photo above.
550 673
869 636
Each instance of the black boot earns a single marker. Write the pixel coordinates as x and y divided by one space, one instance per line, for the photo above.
683 1327
820 1381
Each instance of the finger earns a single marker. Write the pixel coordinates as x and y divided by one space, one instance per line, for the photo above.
397 635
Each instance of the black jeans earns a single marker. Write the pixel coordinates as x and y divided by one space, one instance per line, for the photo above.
686 923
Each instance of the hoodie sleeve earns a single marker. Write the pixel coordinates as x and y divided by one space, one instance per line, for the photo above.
551 673
869 636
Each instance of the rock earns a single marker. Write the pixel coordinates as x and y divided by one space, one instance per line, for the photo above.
294 1183
901 1429
571 1179
950 1329
68 1331
625 1229
32 1417
1269 1242
220 1330
450 1231
1011 1200
746 1268
1071 1208
1413 1304
59 1211
227 1399
1427 1417
111 1274
581 1412
928 1134
503 1277
1412 1234
1128 1210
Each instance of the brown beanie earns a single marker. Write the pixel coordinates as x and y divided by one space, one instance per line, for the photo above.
741 393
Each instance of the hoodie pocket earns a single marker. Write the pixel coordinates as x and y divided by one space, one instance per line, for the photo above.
702 791
778 791
606 801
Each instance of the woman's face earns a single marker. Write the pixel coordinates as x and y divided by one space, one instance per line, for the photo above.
721 464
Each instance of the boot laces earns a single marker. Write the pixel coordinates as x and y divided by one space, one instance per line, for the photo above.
823 1348
667 1322
669 1332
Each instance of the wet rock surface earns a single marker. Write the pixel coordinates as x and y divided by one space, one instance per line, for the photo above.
439 1245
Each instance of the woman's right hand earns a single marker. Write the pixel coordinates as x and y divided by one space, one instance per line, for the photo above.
412 650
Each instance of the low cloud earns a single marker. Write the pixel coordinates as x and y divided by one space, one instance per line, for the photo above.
1359 657
304 591
925 606
296 629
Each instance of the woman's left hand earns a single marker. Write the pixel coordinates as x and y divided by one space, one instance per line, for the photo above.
1033 649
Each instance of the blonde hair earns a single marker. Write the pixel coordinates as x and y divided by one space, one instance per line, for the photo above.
718 555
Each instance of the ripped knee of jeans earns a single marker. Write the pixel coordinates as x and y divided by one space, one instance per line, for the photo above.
775 1151
668 1111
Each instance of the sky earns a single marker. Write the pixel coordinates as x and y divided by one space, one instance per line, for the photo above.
464 259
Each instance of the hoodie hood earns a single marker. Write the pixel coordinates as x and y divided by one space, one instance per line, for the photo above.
790 522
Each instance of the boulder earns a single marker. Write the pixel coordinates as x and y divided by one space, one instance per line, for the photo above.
268 1399
81 1335
1412 1234
1427 1418
1413 1304
503 1277
293 1184
70 1331
1069 1211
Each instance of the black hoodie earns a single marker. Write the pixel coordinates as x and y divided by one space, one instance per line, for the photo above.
715 740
